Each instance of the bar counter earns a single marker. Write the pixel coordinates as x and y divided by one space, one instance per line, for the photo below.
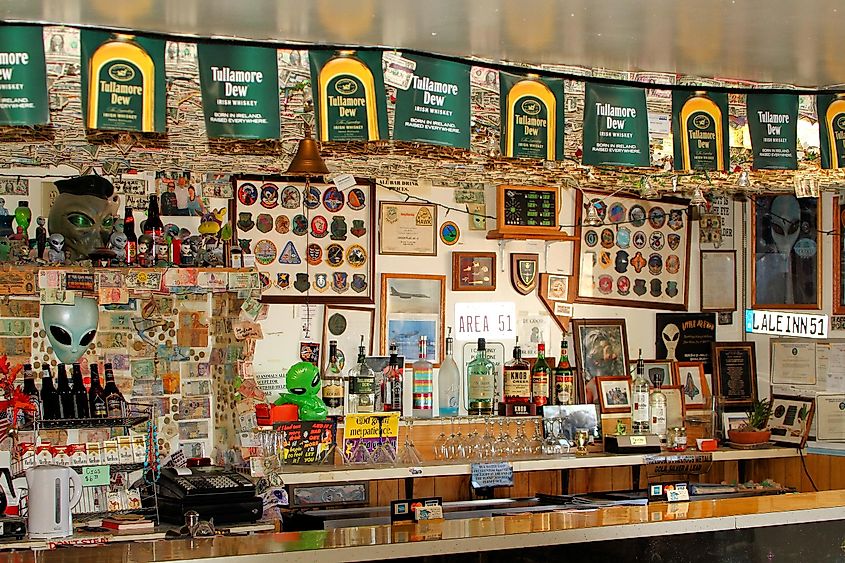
478 536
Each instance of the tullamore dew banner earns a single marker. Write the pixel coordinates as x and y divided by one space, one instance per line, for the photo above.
240 91
349 100
23 76
830 109
123 85
700 130
773 125
435 106
531 113
615 126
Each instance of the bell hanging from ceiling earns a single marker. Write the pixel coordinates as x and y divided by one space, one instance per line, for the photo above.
307 160
592 219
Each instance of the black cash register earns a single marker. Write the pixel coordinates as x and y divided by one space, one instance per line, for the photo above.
213 492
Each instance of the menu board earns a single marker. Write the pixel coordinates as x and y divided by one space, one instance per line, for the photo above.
528 210
307 441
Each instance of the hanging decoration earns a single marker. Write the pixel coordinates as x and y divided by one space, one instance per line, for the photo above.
700 130
615 126
23 76
531 112
773 124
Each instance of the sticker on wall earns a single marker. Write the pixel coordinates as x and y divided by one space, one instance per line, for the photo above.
333 199
290 197
321 282
269 196
300 224
338 228
356 256
319 226
245 222
358 229
289 255
247 194
302 284
340 281
282 224
334 255
283 280
264 222
312 199
314 254
450 233
637 215
359 283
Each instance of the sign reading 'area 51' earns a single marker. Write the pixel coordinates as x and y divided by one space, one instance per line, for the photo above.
786 324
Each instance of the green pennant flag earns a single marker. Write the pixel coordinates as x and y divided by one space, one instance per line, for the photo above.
435 106
615 126
531 116
23 76
830 109
123 84
700 130
773 125
349 100
240 91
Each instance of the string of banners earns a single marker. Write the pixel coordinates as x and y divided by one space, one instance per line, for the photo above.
123 87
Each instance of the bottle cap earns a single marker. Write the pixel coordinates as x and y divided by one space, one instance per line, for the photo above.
482 344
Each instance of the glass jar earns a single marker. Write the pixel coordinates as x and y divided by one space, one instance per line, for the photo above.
676 439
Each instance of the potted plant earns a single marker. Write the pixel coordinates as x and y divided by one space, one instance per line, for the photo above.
754 430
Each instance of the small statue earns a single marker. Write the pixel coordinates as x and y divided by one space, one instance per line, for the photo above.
145 251
3 210
56 253
117 242
303 384
187 251
41 237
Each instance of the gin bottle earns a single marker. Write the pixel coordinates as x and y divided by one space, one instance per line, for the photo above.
657 409
362 384
423 383
448 382
481 382
640 421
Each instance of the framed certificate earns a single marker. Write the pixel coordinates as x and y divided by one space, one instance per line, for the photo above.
830 417
793 362
407 229
718 280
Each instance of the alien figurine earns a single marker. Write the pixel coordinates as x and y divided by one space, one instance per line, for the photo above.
117 242
41 237
55 252
303 383
3 210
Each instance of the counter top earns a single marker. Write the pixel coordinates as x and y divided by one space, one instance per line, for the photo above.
370 543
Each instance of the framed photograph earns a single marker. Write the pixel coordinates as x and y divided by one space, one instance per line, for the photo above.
786 272
557 288
601 349
686 337
658 372
575 417
347 325
311 242
614 394
407 229
612 424
691 378
473 271
734 373
718 280
413 305
732 421
791 419
636 254
838 256
675 406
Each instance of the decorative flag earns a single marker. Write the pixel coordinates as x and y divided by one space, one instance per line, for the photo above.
615 126
700 130
23 76
773 124
531 112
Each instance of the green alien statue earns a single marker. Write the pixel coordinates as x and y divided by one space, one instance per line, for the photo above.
303 383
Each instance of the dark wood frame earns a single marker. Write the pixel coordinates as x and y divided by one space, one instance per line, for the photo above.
456 274
324 353
702 382
838 303
646 301
516 257
311 296
606 409
702 279
383 311
577 325
435 228
526 232
718 384
819 263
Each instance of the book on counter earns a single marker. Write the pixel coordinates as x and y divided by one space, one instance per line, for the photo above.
127 522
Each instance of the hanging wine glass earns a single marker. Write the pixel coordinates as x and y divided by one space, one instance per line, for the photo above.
409 456
384 452
441 445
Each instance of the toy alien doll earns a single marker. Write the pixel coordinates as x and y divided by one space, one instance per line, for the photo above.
83 213
55 252
41 237
117 242
303 383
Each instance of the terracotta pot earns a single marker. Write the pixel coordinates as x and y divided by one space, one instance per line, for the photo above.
754 437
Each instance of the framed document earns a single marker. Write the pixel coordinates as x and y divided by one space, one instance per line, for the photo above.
791 419
735 373
830 417
407 228
413 305
718 280
793 362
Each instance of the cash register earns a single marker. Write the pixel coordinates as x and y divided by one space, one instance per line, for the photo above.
213 492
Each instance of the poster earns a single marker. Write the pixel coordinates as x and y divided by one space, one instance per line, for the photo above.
372 430
123 83
830 109
773 125
307 441
615 126
700 130
23 76
349 99
531 113
435 107
686 337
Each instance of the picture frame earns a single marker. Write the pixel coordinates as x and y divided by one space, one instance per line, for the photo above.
830 425
557 288
473 271
838 253
633 240
614 394
658 371
718 268
310 242
601 349
610 423
346 325
675 405
407 228
691 378
734 373
412 305
786 261
791 420
732 421
686 337
575 417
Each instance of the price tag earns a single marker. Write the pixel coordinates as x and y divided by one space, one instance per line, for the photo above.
95 475
639 441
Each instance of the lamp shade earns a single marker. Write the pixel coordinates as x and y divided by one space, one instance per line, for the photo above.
307 160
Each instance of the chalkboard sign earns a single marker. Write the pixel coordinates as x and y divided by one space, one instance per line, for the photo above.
528 210
307 441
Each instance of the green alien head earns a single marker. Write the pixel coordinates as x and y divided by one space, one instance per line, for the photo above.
303 383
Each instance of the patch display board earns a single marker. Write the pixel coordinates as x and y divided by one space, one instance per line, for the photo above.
637 257
317 242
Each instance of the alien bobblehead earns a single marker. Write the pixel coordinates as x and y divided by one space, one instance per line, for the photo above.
84 213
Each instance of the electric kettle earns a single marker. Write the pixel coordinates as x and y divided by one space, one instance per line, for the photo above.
50 500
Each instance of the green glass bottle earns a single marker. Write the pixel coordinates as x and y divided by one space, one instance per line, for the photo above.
481 382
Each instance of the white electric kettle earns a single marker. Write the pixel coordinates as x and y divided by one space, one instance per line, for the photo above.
50 500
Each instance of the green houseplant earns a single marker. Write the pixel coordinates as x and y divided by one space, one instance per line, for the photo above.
754 430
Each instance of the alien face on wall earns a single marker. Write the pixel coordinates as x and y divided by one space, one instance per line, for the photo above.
71 328
86 221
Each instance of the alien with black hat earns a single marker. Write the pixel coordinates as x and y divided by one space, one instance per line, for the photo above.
84 213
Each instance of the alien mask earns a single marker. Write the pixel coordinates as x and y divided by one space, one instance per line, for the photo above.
84 212
71 328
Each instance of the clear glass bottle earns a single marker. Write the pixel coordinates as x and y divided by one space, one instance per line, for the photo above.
333 383
392 392
564 378
657 410
449 382
423 383
481 382
640 420
540 378
516 379
362 384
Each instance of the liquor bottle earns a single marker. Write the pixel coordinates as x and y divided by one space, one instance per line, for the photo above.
515 142
155 228
391 396
51 406
481 382
23 217
66 399
115 403
540 378
423 383
96 395
701 134
448 382
362 384
564 378
516 379
333 383
346 82
657 410
30 390
80 395
131 237
640 420
835 130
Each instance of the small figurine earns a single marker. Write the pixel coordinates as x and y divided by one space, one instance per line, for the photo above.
187 251
303 383
41 237
56 253
3 210
145 251
117 242
5 249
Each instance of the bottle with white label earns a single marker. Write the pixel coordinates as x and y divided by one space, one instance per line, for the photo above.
640 420
481 382
657 409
